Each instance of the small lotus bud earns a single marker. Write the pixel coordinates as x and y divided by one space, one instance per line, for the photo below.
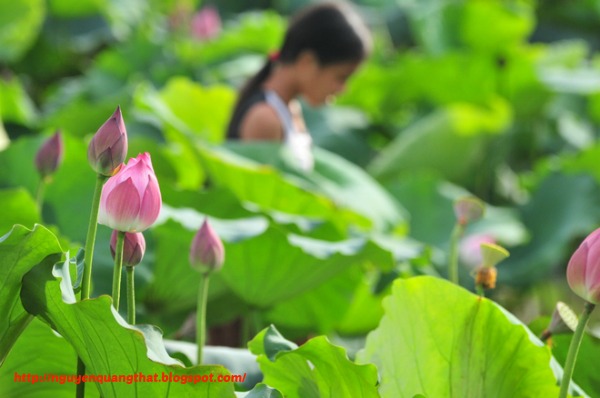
50 155
207 253
108 147
468 209
563 321
131 199
134 247
583 270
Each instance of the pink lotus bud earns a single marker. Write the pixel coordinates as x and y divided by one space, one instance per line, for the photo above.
207 253
468 209
583 270
134 247
108 148
131 200
206 23
50 155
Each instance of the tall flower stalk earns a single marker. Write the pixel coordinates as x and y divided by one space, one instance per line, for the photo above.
106 152
574 349
466 210
130 295
90 240
117 252
206 256
583 276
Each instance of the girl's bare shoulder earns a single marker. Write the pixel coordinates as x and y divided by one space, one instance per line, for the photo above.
261 123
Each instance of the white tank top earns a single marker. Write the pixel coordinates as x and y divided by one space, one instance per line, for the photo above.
298 142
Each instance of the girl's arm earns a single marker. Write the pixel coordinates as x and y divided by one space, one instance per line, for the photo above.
261 123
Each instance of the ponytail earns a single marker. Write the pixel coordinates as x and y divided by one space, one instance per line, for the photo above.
251 87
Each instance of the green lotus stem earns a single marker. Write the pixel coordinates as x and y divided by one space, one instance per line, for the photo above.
118 270
480 290
453 260
574 349
130 295
201 315
245 333
250 326
91 239
80 390
39 196
86 282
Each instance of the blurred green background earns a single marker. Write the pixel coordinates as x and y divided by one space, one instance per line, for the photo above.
497 99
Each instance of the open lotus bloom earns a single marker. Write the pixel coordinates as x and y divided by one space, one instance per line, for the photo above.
131 200
583 271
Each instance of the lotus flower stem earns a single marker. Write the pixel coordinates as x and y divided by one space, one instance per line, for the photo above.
574 349
453 260
86 282
118 270
130 295
91 239
80 391
480 290
201 315
39 196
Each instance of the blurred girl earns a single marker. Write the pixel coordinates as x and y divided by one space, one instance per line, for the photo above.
323 46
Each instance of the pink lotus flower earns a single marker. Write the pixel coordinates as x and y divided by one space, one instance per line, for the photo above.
206 23
131 200
207 253
134 247
108 148
583 270
50 155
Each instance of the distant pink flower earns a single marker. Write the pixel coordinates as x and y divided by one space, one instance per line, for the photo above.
469 249
206 253
206 23
50 155
583 270
134 247
108 148
131 200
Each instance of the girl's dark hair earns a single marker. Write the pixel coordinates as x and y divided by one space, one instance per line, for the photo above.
331 30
